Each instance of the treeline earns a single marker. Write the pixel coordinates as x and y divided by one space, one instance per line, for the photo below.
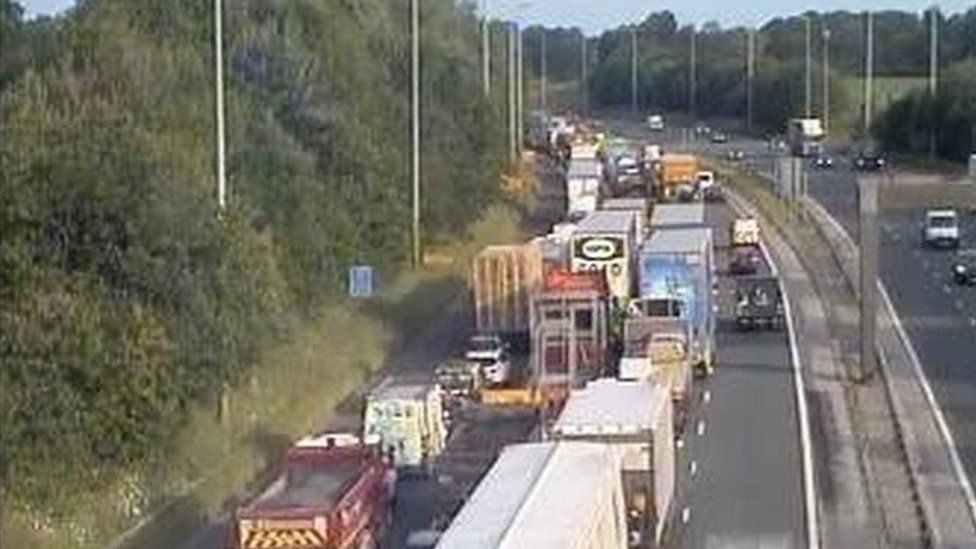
125 299
664 59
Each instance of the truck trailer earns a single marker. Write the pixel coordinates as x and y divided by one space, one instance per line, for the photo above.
636 205
805 136
544 495
333 492
676 276
672 216
633 417
676 176
583 181
503 278
604 241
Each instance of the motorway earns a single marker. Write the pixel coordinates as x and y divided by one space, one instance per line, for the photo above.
743 437
940 317
741 467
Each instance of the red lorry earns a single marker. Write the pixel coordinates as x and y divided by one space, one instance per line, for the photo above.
334 492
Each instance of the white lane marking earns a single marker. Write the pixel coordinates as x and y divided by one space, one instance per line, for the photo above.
686 515
694 468
947 289
803 413
957 465
972 322
700 429
707 396
680 443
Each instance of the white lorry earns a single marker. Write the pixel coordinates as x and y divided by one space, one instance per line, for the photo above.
605 241
583 180
544 495
635 418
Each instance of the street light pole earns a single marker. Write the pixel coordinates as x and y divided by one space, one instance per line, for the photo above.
519 89
584 91
826 78
807 107
511 85
219 106
542 68
485 49
692 77
633 68
750 72
415 128
933 69
869 74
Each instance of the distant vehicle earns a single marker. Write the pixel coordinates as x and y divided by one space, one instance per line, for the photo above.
627 168
941 229
459 378
735 155
706 186
491 353
823 162
702 130
655 122
745 262
964 268
408 418
334 491
805 136
744 232
758 303
720 137
869 161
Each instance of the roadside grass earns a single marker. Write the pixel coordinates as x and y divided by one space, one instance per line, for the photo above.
229 447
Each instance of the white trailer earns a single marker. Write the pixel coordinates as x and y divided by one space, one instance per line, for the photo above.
605 241
635 418
583 180
666 216
544 495
636 205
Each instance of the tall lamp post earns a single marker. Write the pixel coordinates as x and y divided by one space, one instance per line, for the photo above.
219 106
826 78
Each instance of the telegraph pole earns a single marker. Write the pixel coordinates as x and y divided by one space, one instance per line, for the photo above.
807 107
933 69
415 126
485 49
869 74
542 68
750 72
692 82
633 68
826 78
219 106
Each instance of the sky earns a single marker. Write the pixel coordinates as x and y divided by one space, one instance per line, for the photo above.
595 16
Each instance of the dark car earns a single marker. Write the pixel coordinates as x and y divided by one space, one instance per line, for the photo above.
745 263
823 162
869 162
758 303
964 269
719 137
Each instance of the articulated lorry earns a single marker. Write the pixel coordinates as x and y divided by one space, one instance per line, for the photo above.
676 277
634 418
676 176
333 492
503 279
583 181
544 495
805 136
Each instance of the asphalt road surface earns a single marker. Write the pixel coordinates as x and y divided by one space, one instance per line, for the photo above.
939 316
740 465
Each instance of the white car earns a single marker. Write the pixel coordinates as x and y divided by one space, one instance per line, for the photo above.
655 122
491 353
941 229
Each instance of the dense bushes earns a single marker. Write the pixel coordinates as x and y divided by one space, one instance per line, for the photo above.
125 301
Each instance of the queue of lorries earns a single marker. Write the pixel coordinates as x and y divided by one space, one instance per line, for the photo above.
615 309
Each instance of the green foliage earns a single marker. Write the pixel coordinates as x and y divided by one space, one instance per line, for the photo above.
125 300
949 117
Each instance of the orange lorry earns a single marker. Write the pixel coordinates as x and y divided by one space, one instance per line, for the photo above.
676 176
